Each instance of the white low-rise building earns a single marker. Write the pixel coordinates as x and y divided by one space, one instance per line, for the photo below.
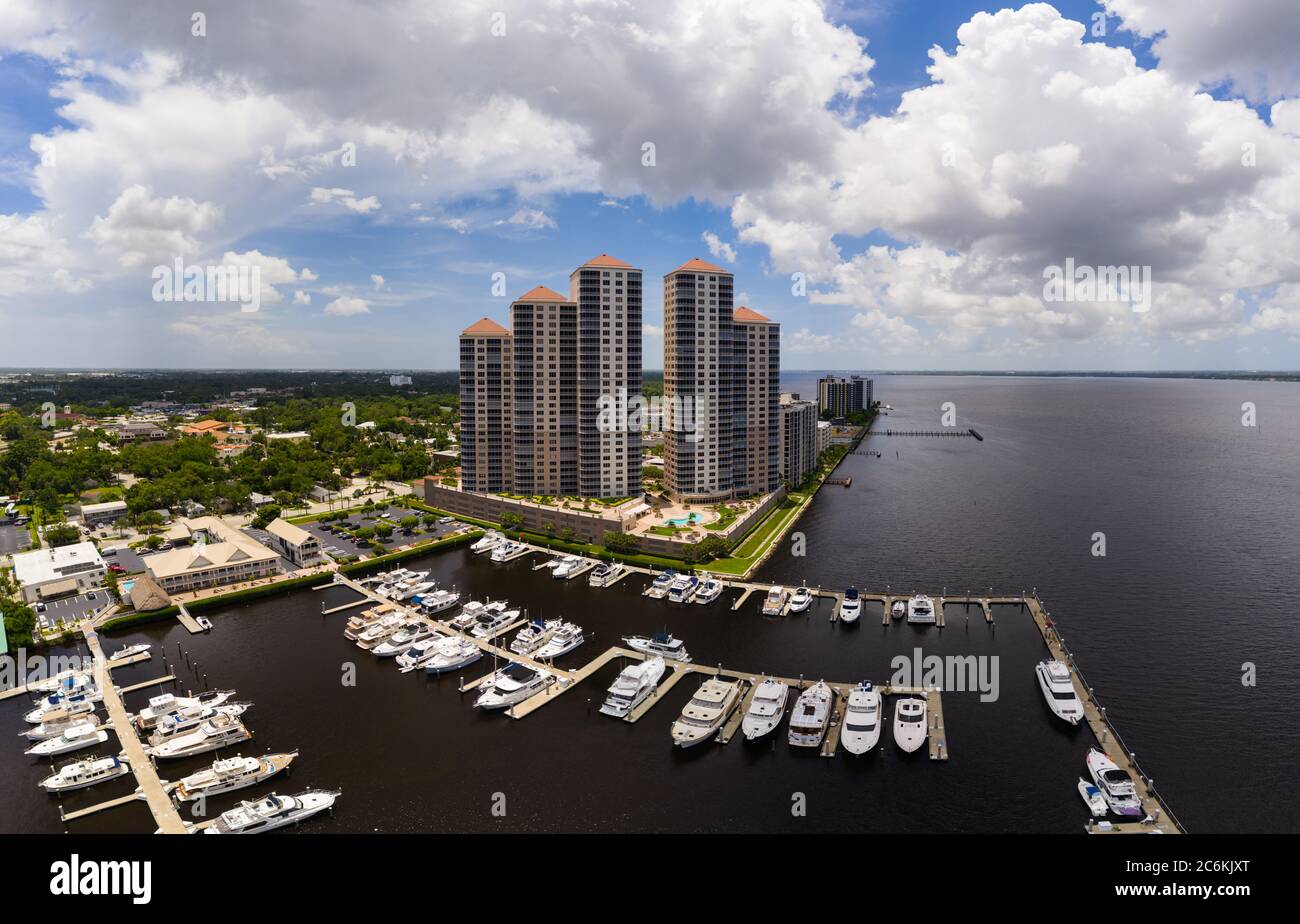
46 573
107 512
294 542
216 554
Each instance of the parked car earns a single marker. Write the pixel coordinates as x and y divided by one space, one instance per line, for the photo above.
40 607
90 596
108 553
116 568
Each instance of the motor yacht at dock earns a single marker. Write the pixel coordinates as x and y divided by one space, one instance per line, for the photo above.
706 712
920 610
709 591
231 773
130 651
439 601
506 550
850 606
775 601
490 541
215 733
811 716
898 610
632 686
359 622
166 705
375 635
566 637
402 639
74 738
514 683
533 636
68 681
800 600
658 588
273 812
190 719
57 723
418 654
862 717
55 705
683 588
567 566
766 709
1116 786
1055 681
451 654
468 616
662 644
490 622
605 574
911 722
83 773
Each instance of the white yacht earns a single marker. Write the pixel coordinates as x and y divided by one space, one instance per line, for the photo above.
85 773
533 636
273 812
231 773
505 550
490 622
56 705
514 683
375 635
800 600
362 621
1116 786
632 686
189 719
862 717
766 709
774 604
416 656
898 610
811 715
1093 798
68 681
706 712
658 588
683 588
566 566
130 651
439 601
216 732
470 612
1058 689
911 722
74 738
920 610
662 644
204 623
452 653
403 639
605 574
490 541
566 637
710 590
850 606
167 705
56 725
414 590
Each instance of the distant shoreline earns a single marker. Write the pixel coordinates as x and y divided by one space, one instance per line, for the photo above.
1244 375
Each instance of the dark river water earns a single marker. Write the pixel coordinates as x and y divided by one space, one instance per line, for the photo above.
1198 580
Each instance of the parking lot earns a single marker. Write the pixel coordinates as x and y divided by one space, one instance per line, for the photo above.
348 546
13 538
129 559
69 610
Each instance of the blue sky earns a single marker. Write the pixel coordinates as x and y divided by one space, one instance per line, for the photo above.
476 155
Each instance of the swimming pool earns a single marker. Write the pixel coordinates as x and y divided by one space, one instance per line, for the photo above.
687 520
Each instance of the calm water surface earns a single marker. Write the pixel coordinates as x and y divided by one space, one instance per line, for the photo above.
1199 579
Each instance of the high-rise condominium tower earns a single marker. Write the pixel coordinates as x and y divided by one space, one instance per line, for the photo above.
545 328
607 292
486 396
721 389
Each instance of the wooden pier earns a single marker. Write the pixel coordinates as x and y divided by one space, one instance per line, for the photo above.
160 802
170 678
102 806
650 701
346 606
187 620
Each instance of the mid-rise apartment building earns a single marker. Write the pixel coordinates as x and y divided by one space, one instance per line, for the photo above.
799 439
841 397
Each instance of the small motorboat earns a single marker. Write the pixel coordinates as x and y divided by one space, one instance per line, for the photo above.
1093 798
800 600
910 723
710 589
204 623
605 574
659 586
898 610
850 606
